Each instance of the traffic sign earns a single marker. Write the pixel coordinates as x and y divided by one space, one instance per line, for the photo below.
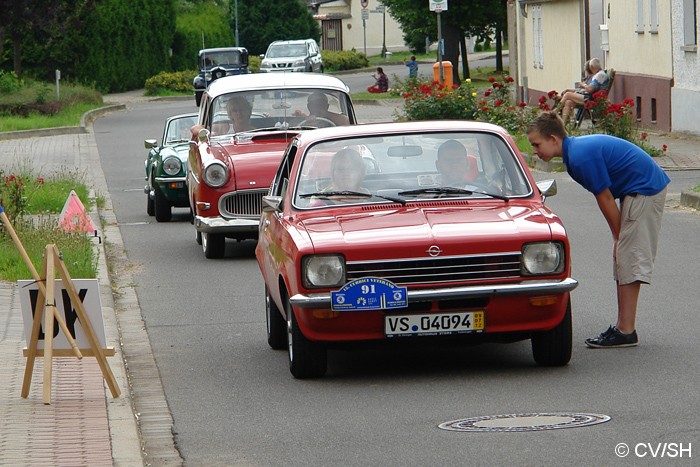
364 3
438 5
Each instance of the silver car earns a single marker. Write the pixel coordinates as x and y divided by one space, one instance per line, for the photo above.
299 55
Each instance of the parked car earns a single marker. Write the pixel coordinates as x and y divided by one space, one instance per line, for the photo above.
217 63
246 123
166 166
300 55
449 238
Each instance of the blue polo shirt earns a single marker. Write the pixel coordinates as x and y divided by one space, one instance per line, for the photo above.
598 162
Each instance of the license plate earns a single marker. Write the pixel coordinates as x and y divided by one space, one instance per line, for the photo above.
434 324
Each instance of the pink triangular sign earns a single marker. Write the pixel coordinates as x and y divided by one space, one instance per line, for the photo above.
74 217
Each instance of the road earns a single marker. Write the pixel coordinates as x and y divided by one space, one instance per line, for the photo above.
234 402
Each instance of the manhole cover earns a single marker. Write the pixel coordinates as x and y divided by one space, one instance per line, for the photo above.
524 422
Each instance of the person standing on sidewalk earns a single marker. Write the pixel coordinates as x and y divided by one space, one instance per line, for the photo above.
612 168
412 67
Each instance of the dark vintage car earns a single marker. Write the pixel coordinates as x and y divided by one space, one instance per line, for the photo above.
166 167
449 239
233 163
217 63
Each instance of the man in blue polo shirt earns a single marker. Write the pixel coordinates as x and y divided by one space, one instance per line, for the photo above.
612 168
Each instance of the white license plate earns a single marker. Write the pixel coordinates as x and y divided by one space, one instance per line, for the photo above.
433 324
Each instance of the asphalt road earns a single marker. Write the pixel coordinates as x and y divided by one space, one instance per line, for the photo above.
234 402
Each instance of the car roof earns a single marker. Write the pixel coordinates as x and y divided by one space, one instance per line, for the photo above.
294 41
222 49
381 129
263 81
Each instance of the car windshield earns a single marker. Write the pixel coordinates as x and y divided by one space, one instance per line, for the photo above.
278 109
225 59
287 50
408 168
178 129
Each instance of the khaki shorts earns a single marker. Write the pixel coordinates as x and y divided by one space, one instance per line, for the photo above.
639 237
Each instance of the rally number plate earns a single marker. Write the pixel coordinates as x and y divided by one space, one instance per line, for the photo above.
433 324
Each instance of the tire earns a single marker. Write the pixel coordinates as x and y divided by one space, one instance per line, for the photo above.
163 210
276 325
198 237
150 205
213 245
553 347
307 359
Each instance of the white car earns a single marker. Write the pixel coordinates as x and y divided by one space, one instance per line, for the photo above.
299 55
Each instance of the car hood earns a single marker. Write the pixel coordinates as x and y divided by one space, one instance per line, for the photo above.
409 232
253 163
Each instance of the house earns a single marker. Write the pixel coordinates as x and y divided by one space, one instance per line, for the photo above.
652 45
363 25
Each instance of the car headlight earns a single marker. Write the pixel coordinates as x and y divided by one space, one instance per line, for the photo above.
172 165
264 64
323 271
207 76
215 174
542 258
299 62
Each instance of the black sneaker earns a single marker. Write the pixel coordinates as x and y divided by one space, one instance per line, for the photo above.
612 338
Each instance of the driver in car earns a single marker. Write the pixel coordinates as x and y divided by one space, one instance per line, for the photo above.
456 168
317 104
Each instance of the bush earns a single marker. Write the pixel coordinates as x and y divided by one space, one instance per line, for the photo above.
254 63
343 60
497 107
9 82
433 101
179 81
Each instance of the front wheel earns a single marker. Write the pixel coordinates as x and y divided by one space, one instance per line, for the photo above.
553 347
163 210
213 245
307 359
276 325
150 205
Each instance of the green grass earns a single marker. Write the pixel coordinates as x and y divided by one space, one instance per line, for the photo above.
38 225
697 188
70 116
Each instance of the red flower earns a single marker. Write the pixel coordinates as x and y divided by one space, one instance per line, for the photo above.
664 147
492 79
498 103
484 109
522 104
40 180
509 80
644 136
542 100
487 93
552 93
454 86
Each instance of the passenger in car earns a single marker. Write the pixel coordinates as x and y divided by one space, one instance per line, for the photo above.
456 168
347 172
239 110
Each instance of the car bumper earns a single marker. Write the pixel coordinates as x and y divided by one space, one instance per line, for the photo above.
323 300
220 225
298 69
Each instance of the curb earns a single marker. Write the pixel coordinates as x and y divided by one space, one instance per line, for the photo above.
690 199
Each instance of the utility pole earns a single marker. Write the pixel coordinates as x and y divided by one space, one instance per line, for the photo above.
235 8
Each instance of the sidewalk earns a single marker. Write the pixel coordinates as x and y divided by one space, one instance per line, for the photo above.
84 425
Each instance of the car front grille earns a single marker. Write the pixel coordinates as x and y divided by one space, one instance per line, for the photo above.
282 65
246 203
437 270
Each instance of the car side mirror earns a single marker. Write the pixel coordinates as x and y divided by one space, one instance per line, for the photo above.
150 143
271 203
261 56
547 188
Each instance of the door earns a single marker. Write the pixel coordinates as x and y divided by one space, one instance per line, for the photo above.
332 34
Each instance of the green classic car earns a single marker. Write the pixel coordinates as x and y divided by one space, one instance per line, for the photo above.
166 167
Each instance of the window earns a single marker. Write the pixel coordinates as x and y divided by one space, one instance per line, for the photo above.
640 17
690 25
537 43
653 17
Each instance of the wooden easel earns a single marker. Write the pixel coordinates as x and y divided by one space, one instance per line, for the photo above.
47 301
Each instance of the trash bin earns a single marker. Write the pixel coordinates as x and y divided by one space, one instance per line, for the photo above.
447 70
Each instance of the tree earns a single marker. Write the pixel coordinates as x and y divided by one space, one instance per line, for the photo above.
473 17
263 21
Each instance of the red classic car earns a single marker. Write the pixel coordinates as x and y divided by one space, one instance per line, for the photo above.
245 124
449 237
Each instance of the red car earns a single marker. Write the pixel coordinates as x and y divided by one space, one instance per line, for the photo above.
245 123
448 238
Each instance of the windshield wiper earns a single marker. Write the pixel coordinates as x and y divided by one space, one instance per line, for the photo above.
450 191
330 194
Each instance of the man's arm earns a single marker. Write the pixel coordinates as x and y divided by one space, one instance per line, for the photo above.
610 210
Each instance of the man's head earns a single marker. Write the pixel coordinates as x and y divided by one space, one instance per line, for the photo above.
317 103
238 107
452 163
594 65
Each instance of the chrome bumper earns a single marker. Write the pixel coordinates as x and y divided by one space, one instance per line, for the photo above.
220 225
323 300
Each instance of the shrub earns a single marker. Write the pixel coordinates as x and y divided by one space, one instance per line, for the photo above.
9 82
343 60
254 63
433 101
497 106
179 81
